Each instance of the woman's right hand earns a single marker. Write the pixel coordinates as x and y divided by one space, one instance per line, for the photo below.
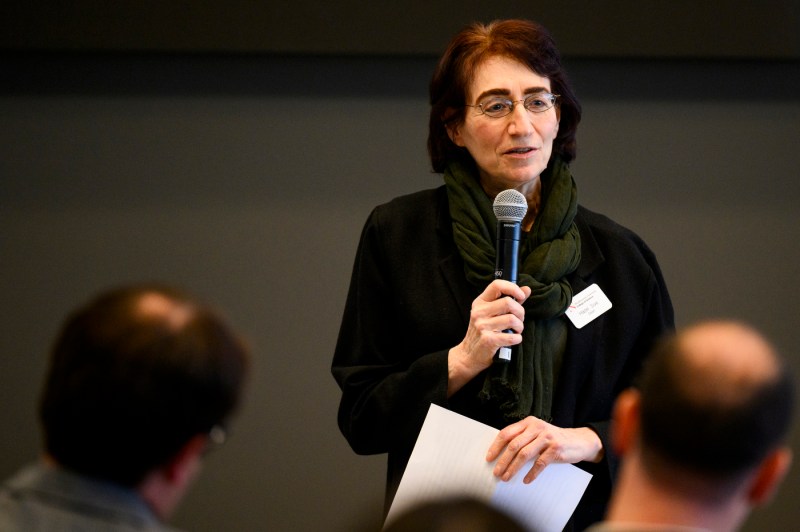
491 314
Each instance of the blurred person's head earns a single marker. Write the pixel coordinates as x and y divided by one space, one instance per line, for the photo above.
710 418
142 381
459 514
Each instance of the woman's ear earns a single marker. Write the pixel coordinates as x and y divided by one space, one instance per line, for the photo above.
454 132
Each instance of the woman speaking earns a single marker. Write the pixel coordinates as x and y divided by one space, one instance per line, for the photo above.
425 317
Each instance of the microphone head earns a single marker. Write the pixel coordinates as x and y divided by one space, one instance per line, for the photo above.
510 206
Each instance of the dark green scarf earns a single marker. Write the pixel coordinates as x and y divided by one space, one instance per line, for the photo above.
549 252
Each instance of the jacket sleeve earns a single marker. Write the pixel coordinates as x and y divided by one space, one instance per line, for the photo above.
657 320
387 382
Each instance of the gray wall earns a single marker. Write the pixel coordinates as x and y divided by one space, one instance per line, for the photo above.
606 28
246 179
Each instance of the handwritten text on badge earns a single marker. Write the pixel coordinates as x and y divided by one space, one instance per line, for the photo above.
587 305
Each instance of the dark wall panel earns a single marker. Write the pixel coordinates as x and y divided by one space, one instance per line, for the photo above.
612 28
246 179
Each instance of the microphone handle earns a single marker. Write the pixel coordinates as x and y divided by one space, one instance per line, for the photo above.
507 262
506 267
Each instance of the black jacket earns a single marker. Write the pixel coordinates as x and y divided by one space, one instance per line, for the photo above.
409 303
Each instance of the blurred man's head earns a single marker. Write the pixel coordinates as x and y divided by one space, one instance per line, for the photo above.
711 416
135 375
458 514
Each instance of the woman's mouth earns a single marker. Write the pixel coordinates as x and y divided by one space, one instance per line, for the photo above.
519 151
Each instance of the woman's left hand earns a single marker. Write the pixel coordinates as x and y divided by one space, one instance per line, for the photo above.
537 440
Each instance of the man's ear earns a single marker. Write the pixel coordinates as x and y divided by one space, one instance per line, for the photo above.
183 465
769 475
625 421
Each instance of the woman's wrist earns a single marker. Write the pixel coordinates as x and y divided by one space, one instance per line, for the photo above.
458 373
596 452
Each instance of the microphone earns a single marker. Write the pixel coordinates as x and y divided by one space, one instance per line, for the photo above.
509 209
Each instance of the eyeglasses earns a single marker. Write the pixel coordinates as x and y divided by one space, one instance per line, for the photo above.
498 107
217 437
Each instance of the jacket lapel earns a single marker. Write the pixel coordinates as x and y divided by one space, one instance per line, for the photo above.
451 266
579 341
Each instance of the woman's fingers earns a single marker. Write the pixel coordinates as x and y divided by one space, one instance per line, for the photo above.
537 443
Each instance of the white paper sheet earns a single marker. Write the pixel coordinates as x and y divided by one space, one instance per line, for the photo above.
449 459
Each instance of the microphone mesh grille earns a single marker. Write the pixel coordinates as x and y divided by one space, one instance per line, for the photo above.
510 206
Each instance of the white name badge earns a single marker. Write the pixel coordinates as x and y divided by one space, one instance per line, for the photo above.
587 305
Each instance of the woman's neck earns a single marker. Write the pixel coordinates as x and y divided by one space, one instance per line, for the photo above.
533 195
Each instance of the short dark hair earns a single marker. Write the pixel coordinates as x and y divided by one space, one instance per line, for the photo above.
715 438
522 40
461 513
126 389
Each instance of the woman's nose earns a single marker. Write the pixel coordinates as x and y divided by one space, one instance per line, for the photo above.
520 121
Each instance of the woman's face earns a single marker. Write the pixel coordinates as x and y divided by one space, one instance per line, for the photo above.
513 150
